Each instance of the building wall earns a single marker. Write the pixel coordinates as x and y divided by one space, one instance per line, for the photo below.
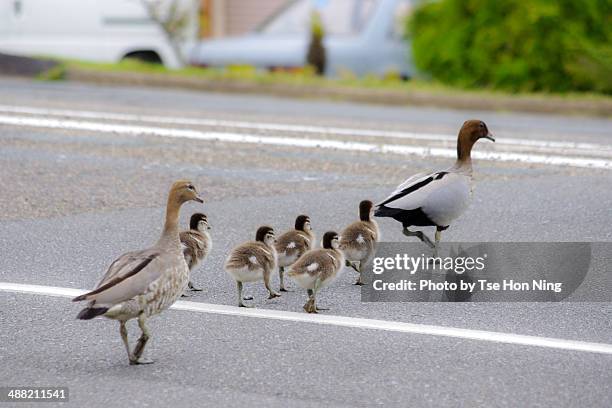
235 17
245 15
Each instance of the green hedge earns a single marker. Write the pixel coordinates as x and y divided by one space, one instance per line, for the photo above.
517 45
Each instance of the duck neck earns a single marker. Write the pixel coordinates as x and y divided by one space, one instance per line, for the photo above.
170 233
464 156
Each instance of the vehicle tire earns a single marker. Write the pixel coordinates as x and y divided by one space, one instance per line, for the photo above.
150 57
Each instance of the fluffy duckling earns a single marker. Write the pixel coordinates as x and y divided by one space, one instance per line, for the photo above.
292 244
196 243
317 268
358 240
253 261
143 283
436 199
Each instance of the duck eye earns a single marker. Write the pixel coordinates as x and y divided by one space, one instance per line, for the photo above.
482 125
190 187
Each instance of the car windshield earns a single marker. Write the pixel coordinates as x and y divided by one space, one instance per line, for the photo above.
340 17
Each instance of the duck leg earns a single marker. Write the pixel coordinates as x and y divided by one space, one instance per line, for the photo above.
316 289
124 337
272 293
437 238
142 342
359 282
281 277
240 298
420 235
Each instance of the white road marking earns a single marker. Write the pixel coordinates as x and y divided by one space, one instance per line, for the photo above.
343 321
326 130
586 162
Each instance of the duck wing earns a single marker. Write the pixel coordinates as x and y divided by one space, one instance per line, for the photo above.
441 196
128 276
194 246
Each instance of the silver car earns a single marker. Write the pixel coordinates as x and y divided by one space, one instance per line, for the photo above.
361 36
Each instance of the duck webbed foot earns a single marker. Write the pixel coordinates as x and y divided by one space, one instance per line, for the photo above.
273 295
194 288
141 361
310 306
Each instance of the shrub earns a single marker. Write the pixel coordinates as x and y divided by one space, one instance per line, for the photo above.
517 45
316 55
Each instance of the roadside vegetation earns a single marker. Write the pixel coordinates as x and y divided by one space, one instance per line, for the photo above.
515 45
306 76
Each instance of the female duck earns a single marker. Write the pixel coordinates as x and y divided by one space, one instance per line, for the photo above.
143 283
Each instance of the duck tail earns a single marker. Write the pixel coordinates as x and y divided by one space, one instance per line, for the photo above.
90 312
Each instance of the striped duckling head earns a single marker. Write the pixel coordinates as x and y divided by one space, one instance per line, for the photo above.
302 223
471 131
331 240
365 210
199 222
265 234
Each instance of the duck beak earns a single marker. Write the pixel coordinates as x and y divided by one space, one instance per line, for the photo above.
490 137
198 199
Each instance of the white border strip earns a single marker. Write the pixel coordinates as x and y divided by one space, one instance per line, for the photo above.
343 321
134 130
324 130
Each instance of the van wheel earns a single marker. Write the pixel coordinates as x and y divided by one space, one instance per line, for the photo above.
150 57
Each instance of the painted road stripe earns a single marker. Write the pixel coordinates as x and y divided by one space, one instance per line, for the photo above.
325 130
135 130
343 321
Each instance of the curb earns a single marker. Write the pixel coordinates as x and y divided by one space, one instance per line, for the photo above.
553 104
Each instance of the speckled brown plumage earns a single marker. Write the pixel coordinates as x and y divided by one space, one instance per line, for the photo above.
196 244
358 241
293 244
317 268
143 283
253 261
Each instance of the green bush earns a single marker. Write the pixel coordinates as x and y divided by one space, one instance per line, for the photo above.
517 45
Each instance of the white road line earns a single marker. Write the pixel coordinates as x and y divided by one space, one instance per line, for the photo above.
573 161
326 130
343 321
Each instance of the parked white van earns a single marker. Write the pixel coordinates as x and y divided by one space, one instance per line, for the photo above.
91 30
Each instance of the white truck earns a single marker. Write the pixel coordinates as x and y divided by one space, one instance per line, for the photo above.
92 30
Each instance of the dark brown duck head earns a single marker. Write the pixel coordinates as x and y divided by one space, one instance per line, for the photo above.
471 131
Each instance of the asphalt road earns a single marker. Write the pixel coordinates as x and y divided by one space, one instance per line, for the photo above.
73 199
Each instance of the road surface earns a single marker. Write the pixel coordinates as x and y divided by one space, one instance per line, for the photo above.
85 171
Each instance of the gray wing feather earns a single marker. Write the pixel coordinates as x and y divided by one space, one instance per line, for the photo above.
128 276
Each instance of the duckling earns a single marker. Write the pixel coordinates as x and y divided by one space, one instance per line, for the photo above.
317 268
358 240
197 244
143 283
292 244
436 199
253 261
